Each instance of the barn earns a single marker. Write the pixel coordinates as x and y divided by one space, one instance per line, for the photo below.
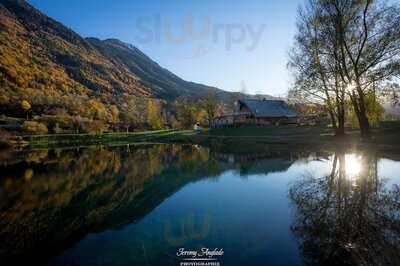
258 112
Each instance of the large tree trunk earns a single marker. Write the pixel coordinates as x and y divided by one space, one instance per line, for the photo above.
333 120
331 112
341 114
363 118
364 125
341 121
361 113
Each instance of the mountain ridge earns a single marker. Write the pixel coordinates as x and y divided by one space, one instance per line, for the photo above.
152 74
52 75
40 56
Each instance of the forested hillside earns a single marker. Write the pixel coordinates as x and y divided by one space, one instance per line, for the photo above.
50 74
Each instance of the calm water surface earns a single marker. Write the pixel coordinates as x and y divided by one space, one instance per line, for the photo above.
140 204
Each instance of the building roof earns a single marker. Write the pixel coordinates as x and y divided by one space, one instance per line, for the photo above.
269 108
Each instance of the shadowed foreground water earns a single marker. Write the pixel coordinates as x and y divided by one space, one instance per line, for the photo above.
140 204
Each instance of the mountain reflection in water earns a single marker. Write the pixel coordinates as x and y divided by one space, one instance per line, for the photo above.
51 199
54 202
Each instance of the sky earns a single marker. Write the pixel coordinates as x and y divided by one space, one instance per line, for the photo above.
233 45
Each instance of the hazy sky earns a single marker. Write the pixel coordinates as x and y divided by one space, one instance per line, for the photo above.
227 44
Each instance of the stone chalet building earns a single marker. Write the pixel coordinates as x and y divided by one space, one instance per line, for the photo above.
258 112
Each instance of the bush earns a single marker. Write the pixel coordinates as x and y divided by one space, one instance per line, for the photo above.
95 127
57 123
32 127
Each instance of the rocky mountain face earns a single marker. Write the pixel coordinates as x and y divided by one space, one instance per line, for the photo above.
52 67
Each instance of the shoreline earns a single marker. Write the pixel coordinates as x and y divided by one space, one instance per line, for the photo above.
304 137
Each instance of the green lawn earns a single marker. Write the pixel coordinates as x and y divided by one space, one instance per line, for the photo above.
387 134
56 140
270 131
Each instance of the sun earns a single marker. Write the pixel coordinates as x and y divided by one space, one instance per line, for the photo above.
353 165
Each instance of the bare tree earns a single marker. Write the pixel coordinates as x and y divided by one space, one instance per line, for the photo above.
368 37
316 76
345 49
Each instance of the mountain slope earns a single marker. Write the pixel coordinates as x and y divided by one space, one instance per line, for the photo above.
160 80
54 68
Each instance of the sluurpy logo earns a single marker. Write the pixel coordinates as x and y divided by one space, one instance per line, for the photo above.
199 31
201 257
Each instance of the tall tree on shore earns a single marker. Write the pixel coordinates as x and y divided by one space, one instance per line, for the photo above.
369 38
316 77
155 116
211 107
114 115
360 45
133 113
187 111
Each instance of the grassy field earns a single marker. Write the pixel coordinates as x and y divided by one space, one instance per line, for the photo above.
270 131
386 135
60 140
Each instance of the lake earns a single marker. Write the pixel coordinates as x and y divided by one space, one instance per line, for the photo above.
168 204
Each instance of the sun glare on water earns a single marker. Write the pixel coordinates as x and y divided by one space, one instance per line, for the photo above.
353 165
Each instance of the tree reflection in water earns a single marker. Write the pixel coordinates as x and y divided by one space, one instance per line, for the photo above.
348 216
49 199
52 199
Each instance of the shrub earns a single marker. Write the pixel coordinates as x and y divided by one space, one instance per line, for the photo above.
57 123
32 127
95 127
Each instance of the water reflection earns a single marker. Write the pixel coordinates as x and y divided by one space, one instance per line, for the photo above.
51 199
349 216
139 203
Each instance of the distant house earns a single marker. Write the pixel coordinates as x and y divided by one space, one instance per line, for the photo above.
258 112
